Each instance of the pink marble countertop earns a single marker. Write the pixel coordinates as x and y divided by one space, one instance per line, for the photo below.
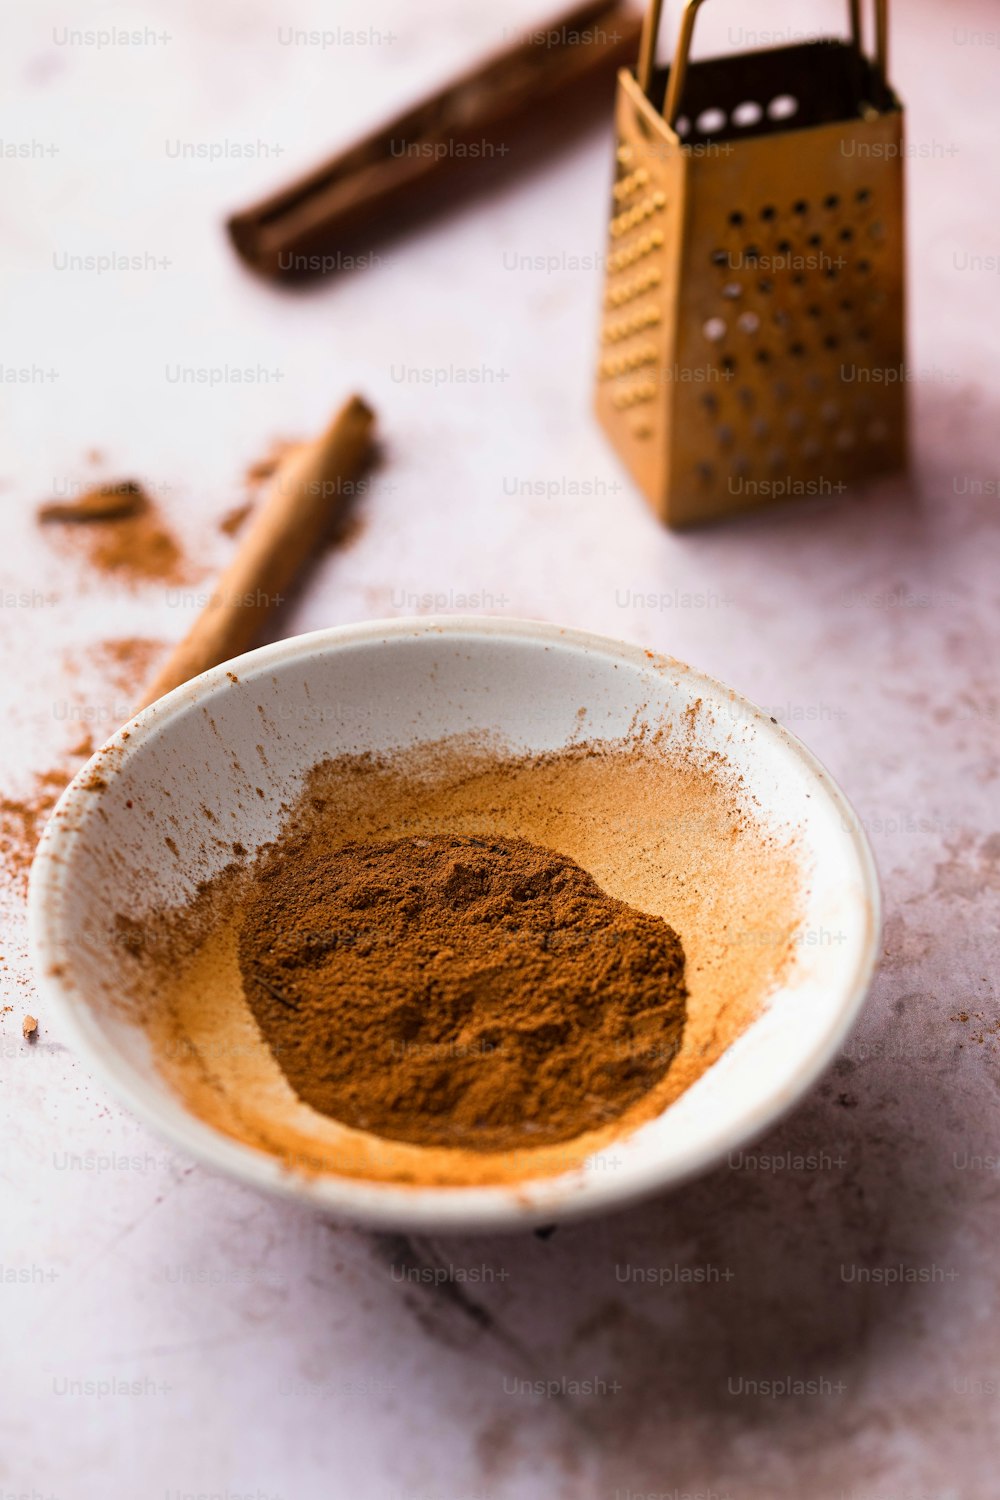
170 1334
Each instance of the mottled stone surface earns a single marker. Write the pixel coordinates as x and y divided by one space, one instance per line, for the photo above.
268 1353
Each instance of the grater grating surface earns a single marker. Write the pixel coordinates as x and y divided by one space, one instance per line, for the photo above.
752 344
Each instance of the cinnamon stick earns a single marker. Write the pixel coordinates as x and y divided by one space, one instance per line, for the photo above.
279 540
490 118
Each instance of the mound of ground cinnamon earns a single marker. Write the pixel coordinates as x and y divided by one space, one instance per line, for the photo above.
460 991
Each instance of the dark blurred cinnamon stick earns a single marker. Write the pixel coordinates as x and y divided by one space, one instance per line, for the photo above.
488 119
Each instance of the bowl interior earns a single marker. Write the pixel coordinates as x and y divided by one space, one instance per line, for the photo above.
213 765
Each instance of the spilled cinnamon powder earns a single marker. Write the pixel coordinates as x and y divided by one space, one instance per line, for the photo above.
128 661
24 815
125 663
121 532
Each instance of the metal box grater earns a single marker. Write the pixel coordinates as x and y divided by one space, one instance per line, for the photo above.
753 342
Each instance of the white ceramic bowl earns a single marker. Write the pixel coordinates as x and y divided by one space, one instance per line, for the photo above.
391 683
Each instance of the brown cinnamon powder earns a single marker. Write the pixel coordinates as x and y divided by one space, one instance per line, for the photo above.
23 817
128 661
457 991
121 531
665 828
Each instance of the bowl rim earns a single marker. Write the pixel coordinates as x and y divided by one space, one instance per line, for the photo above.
425 1209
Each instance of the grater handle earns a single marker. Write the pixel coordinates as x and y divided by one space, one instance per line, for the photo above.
647 45
678 72
881 36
